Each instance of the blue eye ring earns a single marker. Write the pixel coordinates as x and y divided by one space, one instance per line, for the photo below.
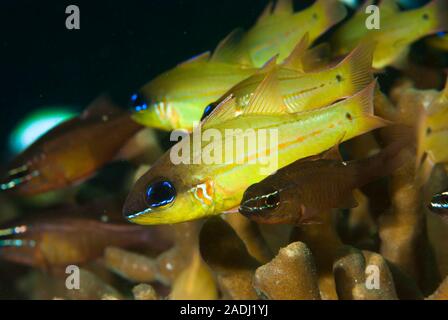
208 109
138 102
160 194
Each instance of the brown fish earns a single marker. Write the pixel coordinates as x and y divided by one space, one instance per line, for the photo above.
71 152
75 235
298 193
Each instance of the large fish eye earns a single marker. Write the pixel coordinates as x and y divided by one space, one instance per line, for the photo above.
272 200
160 194
208 109
138 102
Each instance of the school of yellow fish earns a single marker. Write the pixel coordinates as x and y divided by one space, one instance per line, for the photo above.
353 173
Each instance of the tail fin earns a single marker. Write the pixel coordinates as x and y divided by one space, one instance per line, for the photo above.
438 11
356 68
332 11
392 157
360 107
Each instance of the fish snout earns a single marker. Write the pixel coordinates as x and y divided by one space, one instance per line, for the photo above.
135 206
17 177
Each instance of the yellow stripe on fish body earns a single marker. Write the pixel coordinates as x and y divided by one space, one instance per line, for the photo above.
300 134
279 31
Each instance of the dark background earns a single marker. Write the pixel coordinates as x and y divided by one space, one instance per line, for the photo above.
120 46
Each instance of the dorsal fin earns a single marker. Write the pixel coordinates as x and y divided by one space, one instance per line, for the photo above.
283 7
229 49
266 13
101 106
294 60
205 56
266 99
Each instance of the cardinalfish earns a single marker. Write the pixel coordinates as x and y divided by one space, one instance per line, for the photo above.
74 235
397 30
300 192
176 99
305 91
433 130
279 28
72 151
172 192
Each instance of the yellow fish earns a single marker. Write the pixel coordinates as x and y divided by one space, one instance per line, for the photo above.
172 193
398 30
279 29
305 91
176 98
433 130
439 42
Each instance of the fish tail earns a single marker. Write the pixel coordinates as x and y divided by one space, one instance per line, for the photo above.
437 10
332 11
360 107
356 68
389 159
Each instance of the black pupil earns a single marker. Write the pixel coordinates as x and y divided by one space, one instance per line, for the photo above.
160 194
273 199
208 109
138 102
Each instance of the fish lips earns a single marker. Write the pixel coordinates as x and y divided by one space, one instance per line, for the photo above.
135 207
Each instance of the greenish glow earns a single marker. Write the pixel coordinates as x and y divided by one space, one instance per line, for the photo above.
35 125
351 3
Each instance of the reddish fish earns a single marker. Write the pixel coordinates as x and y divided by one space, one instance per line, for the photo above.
72 151
75 235
298 193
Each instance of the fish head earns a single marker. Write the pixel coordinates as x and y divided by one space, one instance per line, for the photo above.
269 203
31 175
17 246
152 112
168 194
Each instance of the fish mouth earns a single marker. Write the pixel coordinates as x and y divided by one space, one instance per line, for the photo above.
18 176
132 217
149 118
249 207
